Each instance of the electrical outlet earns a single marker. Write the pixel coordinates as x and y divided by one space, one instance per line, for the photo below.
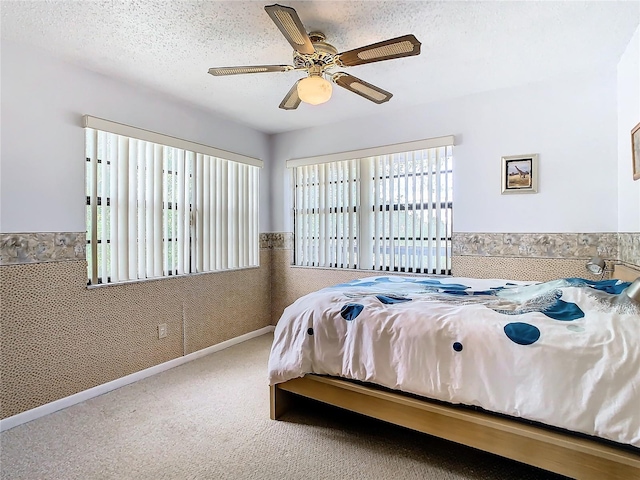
162 330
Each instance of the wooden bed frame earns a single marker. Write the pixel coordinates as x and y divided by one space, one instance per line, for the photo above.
563 453
574 456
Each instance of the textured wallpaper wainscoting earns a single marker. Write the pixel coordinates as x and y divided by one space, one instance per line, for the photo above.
59 338
537 245
519 268
629 247
530 256
20 248
518 256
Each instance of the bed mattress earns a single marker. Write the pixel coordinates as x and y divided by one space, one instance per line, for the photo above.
564 353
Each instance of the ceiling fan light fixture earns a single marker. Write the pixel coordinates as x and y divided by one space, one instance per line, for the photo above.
312 53
314 90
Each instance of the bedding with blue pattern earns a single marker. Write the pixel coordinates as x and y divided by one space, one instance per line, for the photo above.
565 353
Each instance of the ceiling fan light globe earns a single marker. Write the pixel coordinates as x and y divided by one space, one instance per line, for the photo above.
314 90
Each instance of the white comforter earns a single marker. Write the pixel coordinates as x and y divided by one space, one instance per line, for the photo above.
562 353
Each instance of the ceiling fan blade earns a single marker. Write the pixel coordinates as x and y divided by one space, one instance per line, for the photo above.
291 99
287 20
362 88
223 71
405 46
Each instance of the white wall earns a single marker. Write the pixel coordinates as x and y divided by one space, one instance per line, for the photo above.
42 158
569 122
628 117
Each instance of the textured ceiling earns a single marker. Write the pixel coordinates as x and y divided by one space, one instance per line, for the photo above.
467 47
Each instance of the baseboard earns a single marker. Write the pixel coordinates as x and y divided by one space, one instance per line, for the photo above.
46 409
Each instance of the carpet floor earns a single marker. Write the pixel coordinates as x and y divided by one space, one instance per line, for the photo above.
209 419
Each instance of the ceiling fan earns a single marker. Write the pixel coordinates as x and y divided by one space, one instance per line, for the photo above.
315 56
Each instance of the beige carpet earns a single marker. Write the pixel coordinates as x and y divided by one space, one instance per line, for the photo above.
209 419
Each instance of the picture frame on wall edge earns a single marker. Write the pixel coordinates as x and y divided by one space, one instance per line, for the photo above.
635 151
519 174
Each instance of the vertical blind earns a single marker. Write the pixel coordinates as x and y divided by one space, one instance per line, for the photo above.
155 210
388 212
326 209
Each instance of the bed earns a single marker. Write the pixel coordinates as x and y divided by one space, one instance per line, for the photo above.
547 374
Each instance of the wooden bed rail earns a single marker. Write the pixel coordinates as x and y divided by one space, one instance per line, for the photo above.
563 453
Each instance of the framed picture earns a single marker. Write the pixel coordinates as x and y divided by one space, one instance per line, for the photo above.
520 174
635 151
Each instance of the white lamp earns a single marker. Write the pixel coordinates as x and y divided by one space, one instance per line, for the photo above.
596 266
314 90
633 290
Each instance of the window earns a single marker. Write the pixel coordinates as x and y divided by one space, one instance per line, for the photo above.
390 212
155 209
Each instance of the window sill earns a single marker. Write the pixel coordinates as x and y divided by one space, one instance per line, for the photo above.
371 272
171 277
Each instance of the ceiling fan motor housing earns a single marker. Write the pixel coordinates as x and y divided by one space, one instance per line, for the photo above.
323 56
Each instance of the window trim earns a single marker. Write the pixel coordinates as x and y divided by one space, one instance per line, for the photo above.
91 286
97 123
445 141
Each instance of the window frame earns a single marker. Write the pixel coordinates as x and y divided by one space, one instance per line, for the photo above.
444 206
245 204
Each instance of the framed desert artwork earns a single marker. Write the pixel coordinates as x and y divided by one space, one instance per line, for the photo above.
520 174
635 151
